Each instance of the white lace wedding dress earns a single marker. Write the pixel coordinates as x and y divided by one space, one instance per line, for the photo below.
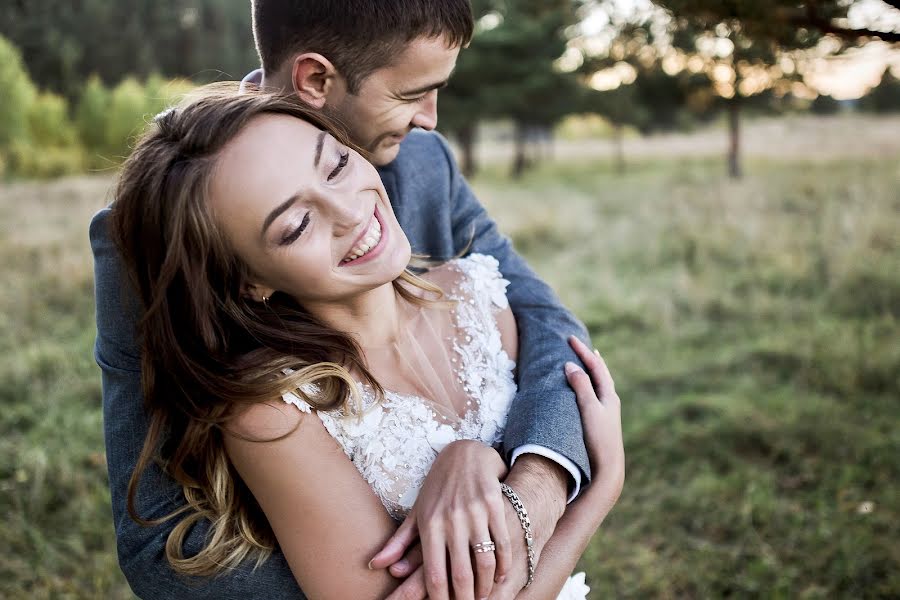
394 442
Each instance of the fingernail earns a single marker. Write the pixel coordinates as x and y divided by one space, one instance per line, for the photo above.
402 564
370 564
572 368
597 352
501 579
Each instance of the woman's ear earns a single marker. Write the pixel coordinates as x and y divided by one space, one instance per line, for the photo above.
315 79
258 292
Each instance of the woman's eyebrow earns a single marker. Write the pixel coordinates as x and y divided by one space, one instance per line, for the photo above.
278 211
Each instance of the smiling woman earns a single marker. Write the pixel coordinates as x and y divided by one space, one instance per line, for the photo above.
319 213
202 222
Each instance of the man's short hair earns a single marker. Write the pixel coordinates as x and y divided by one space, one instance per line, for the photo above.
357 36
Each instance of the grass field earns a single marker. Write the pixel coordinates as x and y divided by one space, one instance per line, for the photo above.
752 328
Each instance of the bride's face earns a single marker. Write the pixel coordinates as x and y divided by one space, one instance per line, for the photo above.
309 216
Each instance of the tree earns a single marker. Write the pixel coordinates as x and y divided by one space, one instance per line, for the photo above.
18 94
785 23
65 42
518 66
825 105
740 53
467 98
622 108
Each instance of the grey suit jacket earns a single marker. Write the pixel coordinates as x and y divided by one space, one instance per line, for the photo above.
441 216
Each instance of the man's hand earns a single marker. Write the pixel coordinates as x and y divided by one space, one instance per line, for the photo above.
460 504
541 485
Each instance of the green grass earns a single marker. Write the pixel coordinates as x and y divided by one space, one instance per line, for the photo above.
752 328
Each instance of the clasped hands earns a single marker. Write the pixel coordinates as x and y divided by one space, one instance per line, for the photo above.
460 506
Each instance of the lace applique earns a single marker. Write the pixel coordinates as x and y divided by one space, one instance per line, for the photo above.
393 443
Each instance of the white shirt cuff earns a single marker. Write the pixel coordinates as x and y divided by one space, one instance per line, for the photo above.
556 457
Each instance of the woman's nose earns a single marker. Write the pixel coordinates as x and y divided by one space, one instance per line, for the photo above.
348 212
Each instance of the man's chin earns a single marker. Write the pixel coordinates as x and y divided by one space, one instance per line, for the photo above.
385 153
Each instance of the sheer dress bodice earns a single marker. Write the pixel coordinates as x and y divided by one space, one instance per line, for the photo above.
394 442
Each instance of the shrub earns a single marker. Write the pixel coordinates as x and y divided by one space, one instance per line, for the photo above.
91 114
49 123
126 117
18 93
162 93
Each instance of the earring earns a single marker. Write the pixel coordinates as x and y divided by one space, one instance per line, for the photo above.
265 300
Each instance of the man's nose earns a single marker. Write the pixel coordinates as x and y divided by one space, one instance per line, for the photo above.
426 116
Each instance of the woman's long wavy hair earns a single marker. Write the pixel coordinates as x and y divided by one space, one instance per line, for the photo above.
209 351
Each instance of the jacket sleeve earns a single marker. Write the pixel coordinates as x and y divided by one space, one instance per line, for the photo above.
141 550
544 412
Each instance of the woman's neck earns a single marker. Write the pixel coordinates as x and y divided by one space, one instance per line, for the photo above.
374 317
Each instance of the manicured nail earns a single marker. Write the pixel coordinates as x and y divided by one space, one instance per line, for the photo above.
572 368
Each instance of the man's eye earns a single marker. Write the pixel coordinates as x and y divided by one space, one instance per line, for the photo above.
345 156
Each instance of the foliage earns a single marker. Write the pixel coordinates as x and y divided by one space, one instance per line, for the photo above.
18 94
509 71
39 138
51 147
201 39
91 115
783 23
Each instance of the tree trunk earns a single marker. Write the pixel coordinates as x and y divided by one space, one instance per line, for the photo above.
619 141
734 145
520 161
466 137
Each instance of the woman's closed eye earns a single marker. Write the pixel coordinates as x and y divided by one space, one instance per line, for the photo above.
292 235
342 162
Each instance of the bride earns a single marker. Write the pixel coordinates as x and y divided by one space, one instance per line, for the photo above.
301 380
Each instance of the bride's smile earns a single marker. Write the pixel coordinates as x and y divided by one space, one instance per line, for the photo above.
308 215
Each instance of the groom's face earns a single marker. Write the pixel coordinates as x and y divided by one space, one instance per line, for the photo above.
395 99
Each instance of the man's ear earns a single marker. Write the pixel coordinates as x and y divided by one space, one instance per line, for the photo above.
314 78
258 292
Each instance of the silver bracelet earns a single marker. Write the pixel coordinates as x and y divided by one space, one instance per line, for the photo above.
517 505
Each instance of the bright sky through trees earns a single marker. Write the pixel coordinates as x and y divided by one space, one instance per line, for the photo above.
847 76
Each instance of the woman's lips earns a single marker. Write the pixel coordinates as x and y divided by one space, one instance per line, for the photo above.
374 251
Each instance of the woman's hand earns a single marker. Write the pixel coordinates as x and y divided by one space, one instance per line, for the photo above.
460 504
601 419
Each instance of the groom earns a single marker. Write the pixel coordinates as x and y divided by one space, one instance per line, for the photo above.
377 72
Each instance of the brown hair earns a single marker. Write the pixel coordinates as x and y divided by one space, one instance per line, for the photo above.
357 36
208 351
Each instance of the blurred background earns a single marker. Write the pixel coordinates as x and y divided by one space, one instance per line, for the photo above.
713 187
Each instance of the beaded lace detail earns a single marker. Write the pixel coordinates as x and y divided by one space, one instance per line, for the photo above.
395 441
